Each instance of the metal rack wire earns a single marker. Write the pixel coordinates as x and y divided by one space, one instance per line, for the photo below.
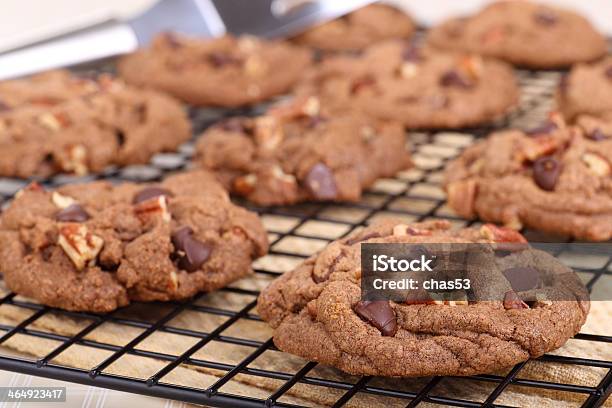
414 195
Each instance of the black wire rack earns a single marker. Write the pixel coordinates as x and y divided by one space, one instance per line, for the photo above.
295 233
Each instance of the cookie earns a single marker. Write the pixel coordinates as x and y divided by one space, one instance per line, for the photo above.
227 71
553 178
96 247
587 89
359 29
296 153
318 313
58 123
523 33
418 87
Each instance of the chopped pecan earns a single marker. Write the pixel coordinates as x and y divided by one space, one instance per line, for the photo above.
268 132
75 160
245 185
501 234
596 164
154 207
79 244
62 201
462 197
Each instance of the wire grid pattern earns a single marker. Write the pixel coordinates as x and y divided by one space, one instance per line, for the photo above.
295 233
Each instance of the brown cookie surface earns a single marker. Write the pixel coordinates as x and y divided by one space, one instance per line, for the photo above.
554 178
96 247
359 29
227 71
523 33
418 87
587 89
295 152
317 313
59 123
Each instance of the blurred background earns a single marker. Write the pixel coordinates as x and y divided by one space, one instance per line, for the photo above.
37 19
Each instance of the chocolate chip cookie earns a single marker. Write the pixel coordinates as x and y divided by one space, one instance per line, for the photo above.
553 178
59 123
96 247
523 33
296 153
419 87
226 72
359 29
587 89
318 312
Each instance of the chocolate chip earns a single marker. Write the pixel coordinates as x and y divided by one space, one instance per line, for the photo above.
72 213
4 107
546 171
221 59
378 313
543 129
120 137
191 253
523 278
361 83
513 301
597 135
149 193
545 18
454 78
608 72
320 182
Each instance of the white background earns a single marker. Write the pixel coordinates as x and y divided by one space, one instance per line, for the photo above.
26 19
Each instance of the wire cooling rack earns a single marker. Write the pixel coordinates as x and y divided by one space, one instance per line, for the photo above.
224 320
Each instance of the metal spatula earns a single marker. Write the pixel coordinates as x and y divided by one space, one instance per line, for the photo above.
206 18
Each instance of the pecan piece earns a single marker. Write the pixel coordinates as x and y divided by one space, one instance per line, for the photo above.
462 197
153 207
81 246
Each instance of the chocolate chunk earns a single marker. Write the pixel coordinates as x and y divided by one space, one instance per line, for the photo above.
4 107
546 172
361 83
320 182
72 213
454 78
120 137
608 72
149 193
513 301
597 135
523 278
378 313
543 129
545 18
221 59
191 253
